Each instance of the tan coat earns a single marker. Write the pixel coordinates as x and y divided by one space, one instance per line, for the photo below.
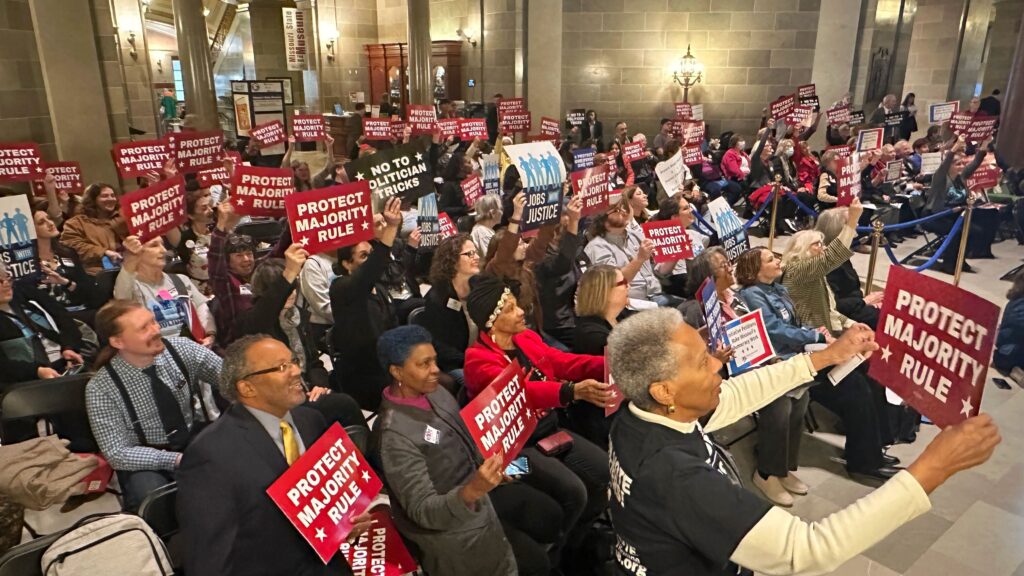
92 237
41 472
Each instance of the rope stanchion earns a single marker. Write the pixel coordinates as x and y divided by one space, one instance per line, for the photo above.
757 215
799 204
775 210
709 230
938 252
876 238
966 218
905 225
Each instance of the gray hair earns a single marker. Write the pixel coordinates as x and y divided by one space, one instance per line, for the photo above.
486 206
830 223
641 351
800 246
235 365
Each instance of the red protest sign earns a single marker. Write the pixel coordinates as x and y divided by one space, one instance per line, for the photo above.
691 132
324 489
848 187
308 127
612 405
800 113
472 190
935 344
510 106
261 191
671 242
422 118
840 114
550 127
449 127
219 175
269 134
692 155
633 151
152 211
806 91
329 218
515 122
380 550
984 178
377 129
782 107
67 176
397 129
980 128
500 418
842 150
470 128
591 185
195 151
683 110
959 121
134 159
447 226
20 162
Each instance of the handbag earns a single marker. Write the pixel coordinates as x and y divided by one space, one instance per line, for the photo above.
555 444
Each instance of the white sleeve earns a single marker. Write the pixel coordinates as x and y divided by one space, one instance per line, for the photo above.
201 305
313 283
756 389
124 286
784 544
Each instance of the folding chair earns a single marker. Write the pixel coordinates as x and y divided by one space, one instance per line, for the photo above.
45 399
158 510
414 316
25 559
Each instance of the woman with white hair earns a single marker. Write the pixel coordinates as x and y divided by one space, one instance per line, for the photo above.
674 506
488 214
844 281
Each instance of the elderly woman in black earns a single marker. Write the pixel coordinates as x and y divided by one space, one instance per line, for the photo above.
675 506
446 497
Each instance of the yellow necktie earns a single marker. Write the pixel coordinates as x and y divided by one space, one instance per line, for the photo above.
291 447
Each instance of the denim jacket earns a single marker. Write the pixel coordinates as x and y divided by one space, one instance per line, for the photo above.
787 335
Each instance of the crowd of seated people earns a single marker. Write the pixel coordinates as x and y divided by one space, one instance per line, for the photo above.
218 369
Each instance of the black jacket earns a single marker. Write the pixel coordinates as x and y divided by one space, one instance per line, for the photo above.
70 267
447 324
597 134
591 335
229 524
66 333
557 276
845 286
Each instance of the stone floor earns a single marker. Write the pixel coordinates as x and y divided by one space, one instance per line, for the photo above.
976 525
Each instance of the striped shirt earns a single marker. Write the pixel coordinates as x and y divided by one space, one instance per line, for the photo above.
805 279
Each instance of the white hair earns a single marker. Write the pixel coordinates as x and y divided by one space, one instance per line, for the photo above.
800 246
641 351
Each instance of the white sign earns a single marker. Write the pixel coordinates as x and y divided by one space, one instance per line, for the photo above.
697 112
750 343
930 162
295 38
672 173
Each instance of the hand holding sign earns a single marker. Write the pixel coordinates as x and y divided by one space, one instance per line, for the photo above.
957 448
592 391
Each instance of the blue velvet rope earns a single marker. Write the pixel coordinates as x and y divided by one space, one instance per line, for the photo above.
709 230
911 224
935 257
807 210
757 215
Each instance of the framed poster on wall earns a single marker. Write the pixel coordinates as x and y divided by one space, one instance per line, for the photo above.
286 84
258 102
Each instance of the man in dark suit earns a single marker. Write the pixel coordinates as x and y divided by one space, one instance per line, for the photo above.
230 525
592 129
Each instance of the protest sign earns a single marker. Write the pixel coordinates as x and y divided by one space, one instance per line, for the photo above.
576 116
708 296
67 176
856 117
195 151
322 491
672 173
219 175
397 129
134 159
729 227
470 128
633 151
380 550
269 134
839 114
149 212
942 111
841 151
329 218
490 166
542 174
513 115
683 110
18 250
428 222
614 402
591 186
935 343
959 122
671 242
550 127
782 107
811 102
749 341
446 226
893 119
692 155
449 127
376 129
806 91
801 114
399 171
893 170
930 162
422 118
980 128
583 158
472 190
308 127
20 162
984 177
870 139
691 132
696 112
500 418
259 191
848 186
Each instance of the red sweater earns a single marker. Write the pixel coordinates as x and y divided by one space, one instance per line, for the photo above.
732 165
485 360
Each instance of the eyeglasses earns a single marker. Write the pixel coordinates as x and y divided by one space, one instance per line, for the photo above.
470 254
240 240
282 368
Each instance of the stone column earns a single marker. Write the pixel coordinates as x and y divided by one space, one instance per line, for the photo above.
76 97
834 52
544 60
420 84
1011 140
194 53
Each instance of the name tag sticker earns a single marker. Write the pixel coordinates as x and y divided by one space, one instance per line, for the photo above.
165 295
245 290
432 435
454 304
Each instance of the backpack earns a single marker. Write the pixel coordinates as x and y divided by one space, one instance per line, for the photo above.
104 544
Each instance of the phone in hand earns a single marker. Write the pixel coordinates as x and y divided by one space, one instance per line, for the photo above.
518 468
72 369
107 264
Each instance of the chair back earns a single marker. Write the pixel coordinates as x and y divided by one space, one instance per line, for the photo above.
26 559
159 511
415 314
360 436
103 291
46 399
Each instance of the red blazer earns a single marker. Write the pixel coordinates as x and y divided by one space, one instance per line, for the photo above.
732 164
485 360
